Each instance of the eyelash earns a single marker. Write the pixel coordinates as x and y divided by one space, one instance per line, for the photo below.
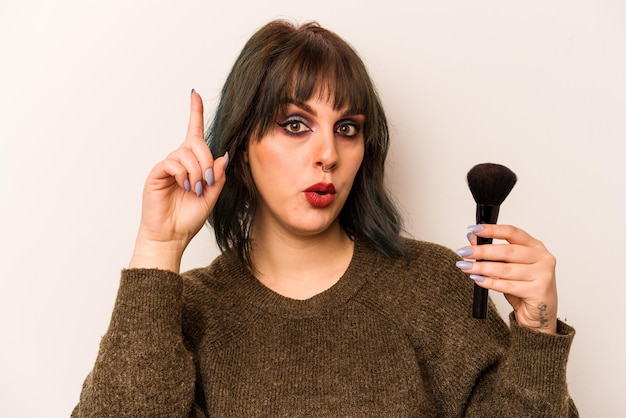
350 124
300 122
294 120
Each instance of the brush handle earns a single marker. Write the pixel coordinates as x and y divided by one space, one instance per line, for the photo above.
485 214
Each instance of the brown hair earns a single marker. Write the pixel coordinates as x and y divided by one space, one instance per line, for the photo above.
279 64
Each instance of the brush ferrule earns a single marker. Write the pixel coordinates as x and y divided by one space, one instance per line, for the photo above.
487 214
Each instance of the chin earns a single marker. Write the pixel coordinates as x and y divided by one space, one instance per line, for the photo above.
313 228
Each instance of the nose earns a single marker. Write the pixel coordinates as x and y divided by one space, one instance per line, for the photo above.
326 156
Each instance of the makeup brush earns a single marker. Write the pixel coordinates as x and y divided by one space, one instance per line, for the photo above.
490 184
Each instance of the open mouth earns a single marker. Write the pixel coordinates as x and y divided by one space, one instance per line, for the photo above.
320 195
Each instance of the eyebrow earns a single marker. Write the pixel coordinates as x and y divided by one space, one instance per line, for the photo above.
302 106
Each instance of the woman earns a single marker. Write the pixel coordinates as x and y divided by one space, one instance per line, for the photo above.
317 306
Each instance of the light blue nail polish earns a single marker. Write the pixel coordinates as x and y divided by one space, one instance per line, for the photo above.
187 185
465 251
208 176
475 228
464 265
477 277
226 157
199 188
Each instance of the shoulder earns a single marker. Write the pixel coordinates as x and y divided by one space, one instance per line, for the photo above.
425 293
425 279
425 259
428 251
207 291
204 279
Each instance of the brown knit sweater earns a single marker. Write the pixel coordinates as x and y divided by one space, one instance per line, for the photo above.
393 338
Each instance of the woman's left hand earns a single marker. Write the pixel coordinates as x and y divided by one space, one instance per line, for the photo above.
523 270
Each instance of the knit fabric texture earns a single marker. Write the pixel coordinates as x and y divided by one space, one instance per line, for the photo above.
392 338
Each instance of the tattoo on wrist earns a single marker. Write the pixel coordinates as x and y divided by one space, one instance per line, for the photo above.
543 316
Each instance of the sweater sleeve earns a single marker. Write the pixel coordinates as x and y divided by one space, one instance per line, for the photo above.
530 378
142 367
481 368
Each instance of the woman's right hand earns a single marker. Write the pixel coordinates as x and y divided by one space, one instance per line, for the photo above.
179 194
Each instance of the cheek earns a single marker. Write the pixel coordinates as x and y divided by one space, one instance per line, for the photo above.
356 159
271 162
260 156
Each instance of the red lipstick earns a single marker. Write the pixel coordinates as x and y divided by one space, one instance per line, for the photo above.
320 195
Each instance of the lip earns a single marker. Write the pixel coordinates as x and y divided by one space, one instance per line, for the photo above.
320 195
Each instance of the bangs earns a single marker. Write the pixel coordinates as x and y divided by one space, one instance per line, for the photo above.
309 64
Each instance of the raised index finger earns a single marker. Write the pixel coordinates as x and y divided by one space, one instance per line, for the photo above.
195 129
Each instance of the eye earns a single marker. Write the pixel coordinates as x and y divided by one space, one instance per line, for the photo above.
348 129
294 125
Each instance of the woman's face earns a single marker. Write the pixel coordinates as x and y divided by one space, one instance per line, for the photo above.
304 167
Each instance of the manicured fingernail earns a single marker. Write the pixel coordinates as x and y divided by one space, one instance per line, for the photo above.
475 228
465 251
193 91
470 236
208 176
464 265
199 188
187 186
477 277
226 157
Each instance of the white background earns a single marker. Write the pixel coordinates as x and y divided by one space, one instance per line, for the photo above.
92 94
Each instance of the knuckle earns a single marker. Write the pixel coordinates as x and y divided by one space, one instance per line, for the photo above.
548 259
508 251
543 275
506 269
511 229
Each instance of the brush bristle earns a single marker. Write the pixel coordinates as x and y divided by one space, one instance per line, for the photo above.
490 183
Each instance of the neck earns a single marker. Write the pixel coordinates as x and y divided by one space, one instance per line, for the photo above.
301 267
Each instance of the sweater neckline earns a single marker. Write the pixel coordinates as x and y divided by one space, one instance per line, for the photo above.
248 290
